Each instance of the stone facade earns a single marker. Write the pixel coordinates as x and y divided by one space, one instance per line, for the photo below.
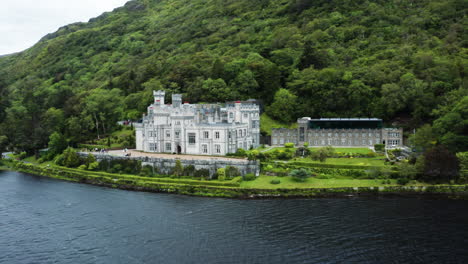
200 129
166 166
339 132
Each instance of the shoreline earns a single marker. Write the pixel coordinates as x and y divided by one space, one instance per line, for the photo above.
231 190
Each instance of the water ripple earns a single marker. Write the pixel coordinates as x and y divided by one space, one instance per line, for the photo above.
50 221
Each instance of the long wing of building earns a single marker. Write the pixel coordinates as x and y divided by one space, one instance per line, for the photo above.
200 129
339 132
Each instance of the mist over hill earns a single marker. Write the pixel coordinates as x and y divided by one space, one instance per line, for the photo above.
404 61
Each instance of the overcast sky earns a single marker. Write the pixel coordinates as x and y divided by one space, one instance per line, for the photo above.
24 22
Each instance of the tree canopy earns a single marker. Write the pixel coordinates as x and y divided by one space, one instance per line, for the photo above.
397 60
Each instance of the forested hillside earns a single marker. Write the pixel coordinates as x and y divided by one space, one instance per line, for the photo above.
401 60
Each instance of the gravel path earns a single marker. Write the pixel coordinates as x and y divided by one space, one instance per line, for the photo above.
135 153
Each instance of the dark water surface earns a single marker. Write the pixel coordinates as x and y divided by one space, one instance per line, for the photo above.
49 221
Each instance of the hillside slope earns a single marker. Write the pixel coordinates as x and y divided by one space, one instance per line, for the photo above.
398 60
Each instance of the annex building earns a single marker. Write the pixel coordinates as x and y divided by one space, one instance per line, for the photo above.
200 129
339 132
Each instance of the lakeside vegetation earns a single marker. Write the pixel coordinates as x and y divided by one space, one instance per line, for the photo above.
238 190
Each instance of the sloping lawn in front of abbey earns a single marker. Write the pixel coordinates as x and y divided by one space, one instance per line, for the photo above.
264 182
375 161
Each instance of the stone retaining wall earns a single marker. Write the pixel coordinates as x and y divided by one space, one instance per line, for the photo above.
166 165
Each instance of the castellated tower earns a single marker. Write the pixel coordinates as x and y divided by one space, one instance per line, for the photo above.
176 100
159 97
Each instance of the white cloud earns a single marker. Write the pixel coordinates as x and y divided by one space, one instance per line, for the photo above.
24 22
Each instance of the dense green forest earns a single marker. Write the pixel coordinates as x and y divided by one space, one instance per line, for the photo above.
402 60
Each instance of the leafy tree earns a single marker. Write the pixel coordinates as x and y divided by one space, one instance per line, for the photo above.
104 108
283 107
424 138
70 158
3 144
440 165
57 144
178 169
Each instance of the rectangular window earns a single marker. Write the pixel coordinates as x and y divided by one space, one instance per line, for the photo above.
153 147
206 134
168 134
191 138
363 142
218 149
217 134
245 132
177 134
245 115
168 147
204 148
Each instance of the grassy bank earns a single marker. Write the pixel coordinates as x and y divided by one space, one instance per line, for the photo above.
259 188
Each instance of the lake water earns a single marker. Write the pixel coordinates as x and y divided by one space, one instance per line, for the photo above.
50 221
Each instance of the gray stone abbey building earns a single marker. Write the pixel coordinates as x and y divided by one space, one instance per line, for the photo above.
339 132
201 129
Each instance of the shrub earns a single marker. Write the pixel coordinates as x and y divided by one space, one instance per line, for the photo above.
289 145
284 155
241 153
306 144
189 171
117 168
202 173
232 172
302 152
22 155
253 154
275 181
249 177
71 158
59 160
178 169
82 167
403 181
300 175
90 159
147 170
221 173
379 147
93 166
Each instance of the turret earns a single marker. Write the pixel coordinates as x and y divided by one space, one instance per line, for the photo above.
159 97
176 100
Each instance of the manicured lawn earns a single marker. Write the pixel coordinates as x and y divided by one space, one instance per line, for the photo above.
351 150
281 149
377 161
263 182
266 124
337 150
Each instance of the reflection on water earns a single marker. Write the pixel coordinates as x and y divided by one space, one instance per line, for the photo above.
49 221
